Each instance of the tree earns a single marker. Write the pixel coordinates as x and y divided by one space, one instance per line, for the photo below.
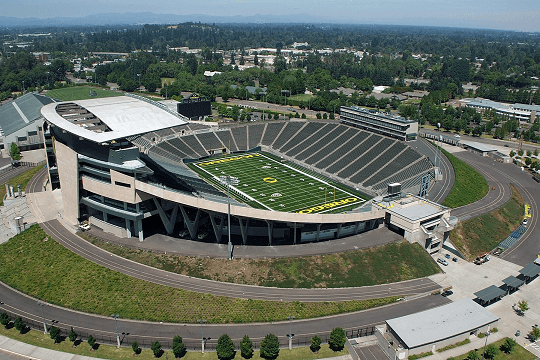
92 342
523 306
4 319
19 324
508 345
529 153
276 116
520 152
473 355
54 333
319 116
225 348
512 153
337 339
156 348
535 152
178 347
135 347
303 115
528 161
72 335
325 116
270 347
535 333
491 352
246 347
15 152
315 344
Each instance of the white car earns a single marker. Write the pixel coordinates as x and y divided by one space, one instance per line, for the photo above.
442 261
457 135
525 221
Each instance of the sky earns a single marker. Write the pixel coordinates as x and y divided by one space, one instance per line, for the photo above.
520 15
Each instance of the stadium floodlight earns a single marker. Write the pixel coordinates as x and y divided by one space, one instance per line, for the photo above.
229 180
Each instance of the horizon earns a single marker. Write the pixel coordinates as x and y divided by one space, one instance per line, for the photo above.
482 14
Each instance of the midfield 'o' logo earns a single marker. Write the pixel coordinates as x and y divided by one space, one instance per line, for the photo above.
269 180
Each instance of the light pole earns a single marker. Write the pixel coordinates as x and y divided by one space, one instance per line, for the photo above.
23 86
42 304
290 318
139 75
485 344
202 322
116 316
229 180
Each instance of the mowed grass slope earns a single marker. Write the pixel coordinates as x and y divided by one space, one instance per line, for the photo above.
80 93
381 265
268 183
37 265
21 179
469 186
481 234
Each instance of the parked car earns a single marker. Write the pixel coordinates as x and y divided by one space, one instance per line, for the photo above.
482 259
184 233
457 135
525 221
447 293
454 259
447 256
442 261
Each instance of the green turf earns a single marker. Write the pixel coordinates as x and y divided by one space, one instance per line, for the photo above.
519 353
37 265
301 97
265 182
469 185
80 93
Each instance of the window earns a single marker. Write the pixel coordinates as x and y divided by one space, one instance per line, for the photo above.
122 184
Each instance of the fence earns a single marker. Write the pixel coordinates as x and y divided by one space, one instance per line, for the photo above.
190 344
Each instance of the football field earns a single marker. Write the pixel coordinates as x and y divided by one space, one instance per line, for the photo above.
267 183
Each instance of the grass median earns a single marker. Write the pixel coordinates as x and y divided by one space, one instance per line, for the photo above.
519 353
37 338
389 263
481 234
21 179
38 266
469 185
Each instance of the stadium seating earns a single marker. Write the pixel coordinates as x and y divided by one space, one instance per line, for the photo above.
381 160
288 131
366 158
240 136
307 131
369 160
209 140
343 149
330 147
322 141
193 143
271 133
226 138
164 132
255 134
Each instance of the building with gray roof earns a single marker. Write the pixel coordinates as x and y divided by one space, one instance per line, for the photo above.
439 327
22 123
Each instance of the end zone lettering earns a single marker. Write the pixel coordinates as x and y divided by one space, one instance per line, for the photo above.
227 159
328 205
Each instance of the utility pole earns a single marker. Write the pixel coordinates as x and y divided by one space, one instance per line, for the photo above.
202 322
229 180
116 316
290 318
42 304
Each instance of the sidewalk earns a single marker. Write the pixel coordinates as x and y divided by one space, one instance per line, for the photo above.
33 352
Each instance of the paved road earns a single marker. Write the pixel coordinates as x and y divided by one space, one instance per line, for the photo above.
500 176
104 327
143 272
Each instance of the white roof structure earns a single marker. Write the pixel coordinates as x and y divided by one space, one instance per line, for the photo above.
114 117
441 323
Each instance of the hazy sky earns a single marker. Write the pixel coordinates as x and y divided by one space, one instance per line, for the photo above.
522 15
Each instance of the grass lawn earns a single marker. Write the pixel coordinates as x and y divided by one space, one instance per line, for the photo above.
267 183
37 265
21 179
476 236
301 97
384 264
167 81
519 353
80 93
469 185
37 338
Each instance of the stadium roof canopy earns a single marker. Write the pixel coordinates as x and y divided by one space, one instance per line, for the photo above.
106 119
440 323
16 114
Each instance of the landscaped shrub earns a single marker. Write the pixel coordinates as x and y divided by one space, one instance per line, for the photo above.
92 342
4 319
225 348
419 356
72 336
337 339
19 324
54 333
135 347
246 347
315 344
178 347
270 347
156 348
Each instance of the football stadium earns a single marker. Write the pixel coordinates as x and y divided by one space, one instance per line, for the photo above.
133 168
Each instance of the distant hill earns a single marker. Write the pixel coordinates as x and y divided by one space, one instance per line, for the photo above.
149 18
